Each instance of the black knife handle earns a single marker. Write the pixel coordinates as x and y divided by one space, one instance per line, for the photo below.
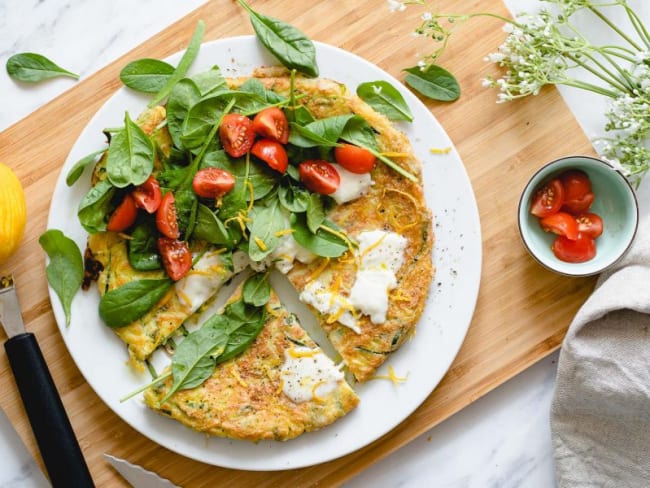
56 440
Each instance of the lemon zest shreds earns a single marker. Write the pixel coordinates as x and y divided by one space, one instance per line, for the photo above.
440 150
185 297
396 154
399 296
391 376
317 272
239 379
280 387
338 234
260 243
284 232
398 226
309 353
372 246
314 395
252 195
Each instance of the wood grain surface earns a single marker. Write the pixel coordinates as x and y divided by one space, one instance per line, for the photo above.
522 313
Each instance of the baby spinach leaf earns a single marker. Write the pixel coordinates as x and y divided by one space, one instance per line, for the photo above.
385 99
65 271
256 87
210 81
321 243
209 228
322 132
292 197
146 75
183 65
186 207
291 46
265 222
122 306
95 207
130 155
77 170
143 247
246 322
200 120
183 96
33 67
257 290
434 82
315 212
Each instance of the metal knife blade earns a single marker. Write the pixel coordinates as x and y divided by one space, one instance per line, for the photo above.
56 440
137 476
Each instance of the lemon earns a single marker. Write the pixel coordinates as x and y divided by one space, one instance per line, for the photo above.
13 213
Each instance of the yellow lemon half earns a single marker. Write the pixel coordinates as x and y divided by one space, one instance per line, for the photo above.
13 213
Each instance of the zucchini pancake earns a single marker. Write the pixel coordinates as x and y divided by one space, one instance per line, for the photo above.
252 169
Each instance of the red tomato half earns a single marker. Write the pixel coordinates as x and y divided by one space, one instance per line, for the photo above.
319 176
123 216
590 224
148 195
212 182
548 199
578 196
272 123
272 153
166 217
176 257
354 158
578 251
562 224
236 134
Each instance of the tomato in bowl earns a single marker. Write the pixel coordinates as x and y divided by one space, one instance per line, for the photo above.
600 200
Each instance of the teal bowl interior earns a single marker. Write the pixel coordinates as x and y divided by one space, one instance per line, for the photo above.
615 202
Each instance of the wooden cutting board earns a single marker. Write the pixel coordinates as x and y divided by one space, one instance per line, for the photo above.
523 311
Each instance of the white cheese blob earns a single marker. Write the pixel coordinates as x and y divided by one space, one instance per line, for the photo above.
381 255
289 250
319 296
202 281
308 374
352 185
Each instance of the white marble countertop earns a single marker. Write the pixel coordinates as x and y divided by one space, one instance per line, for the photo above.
501 440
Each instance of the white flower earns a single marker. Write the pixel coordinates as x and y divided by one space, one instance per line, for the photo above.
422 64
395 6
426 16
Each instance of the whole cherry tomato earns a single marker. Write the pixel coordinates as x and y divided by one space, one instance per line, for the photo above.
548 199
236 134
123 216
148 195
578 196
578 251
272 153
176 257
590 224
562 224
212 182
166 221
354 158
319 176
272 123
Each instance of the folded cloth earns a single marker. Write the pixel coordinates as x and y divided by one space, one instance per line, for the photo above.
600 413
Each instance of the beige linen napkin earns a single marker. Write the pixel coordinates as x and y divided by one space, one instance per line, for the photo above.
600 414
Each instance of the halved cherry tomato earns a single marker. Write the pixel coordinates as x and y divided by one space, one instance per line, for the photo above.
212 182
272 123
562 224
578 251
166 217
578 196
272 153
176 257
123 216
148 195
548 199
354 158
236 134
319 176
590 224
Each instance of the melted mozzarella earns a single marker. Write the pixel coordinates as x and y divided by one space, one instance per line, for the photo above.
381 254
308 374
319 296
352 185
287 251
202 281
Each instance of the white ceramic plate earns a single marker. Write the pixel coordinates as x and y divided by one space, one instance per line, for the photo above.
101 356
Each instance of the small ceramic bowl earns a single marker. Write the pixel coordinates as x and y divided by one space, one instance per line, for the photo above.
615 202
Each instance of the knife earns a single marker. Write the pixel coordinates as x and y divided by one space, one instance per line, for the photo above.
137 476
56 440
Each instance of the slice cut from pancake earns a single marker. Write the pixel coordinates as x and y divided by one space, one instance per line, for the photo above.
281 386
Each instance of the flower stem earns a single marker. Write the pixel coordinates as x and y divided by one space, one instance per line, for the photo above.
614 27
638 26
613 82
583 85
